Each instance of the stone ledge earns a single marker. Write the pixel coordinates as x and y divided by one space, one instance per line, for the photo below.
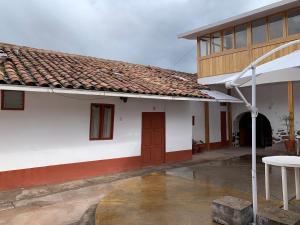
229 210
276 216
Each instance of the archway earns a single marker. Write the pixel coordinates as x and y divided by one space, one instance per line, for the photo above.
263 130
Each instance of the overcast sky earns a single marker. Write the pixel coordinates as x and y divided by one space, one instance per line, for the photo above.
137 31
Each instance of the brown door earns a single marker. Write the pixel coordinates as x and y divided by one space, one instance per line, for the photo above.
153 138
223 128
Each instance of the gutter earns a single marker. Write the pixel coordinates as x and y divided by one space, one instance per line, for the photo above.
110 93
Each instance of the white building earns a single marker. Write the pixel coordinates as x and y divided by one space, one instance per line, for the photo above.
67 117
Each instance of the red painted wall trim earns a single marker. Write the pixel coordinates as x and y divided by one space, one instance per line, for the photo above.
178 156
66 172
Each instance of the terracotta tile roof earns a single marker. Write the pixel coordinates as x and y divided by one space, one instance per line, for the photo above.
43 68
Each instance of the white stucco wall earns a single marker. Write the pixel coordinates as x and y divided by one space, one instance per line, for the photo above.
273 103
214 121
199 127
54 129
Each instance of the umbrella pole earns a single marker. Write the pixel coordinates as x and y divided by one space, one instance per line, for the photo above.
253 117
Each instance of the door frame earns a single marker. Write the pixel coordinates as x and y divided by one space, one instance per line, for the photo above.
164 139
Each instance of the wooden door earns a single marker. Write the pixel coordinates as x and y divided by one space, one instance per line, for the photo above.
223 127
153 138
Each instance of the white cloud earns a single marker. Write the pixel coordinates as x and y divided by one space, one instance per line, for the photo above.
138 31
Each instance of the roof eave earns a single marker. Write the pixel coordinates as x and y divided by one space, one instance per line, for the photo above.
240 19
108 93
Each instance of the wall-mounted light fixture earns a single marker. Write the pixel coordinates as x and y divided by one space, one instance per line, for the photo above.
124 99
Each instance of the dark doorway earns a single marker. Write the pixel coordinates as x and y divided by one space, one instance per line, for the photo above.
153 138
263 131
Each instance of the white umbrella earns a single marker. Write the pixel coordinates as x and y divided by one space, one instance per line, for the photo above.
249 74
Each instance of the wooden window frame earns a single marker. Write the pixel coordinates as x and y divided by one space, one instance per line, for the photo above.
101 121
284 31
266 31
15 109
247 37
221 44
233 39
209 46
287 22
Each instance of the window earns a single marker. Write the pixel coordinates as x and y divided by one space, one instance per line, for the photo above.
216 42
102 122
294 22
259 31
204 46
12 100
228 39
241 36
276 27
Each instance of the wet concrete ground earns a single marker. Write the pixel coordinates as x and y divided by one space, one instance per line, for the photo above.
183 195
191 186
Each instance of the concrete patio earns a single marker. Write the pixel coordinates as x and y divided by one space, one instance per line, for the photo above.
179 192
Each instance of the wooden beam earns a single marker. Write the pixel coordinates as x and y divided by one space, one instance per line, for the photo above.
206 122
198 56
291 109
229 118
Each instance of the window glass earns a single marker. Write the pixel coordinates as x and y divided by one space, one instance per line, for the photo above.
216 42
13 100
101 124
276 26
228 39
241 36
106 129
294 22
204 46
95 122
259 31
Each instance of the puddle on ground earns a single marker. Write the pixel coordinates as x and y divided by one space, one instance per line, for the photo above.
183 196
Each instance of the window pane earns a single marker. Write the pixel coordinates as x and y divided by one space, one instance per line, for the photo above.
204 46
259 34
216 42
241 36
276 26
13 100
228 39
294 22
107 120
95 121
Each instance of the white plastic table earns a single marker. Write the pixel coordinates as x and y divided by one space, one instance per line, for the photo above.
283 162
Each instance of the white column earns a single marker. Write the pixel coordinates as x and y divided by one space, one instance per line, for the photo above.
297 183
284 189
267 181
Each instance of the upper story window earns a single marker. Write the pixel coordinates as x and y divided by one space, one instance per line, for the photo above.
294 22
101 122
241 36
12 100
228 39
276 26
259 31
204 46
216 43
